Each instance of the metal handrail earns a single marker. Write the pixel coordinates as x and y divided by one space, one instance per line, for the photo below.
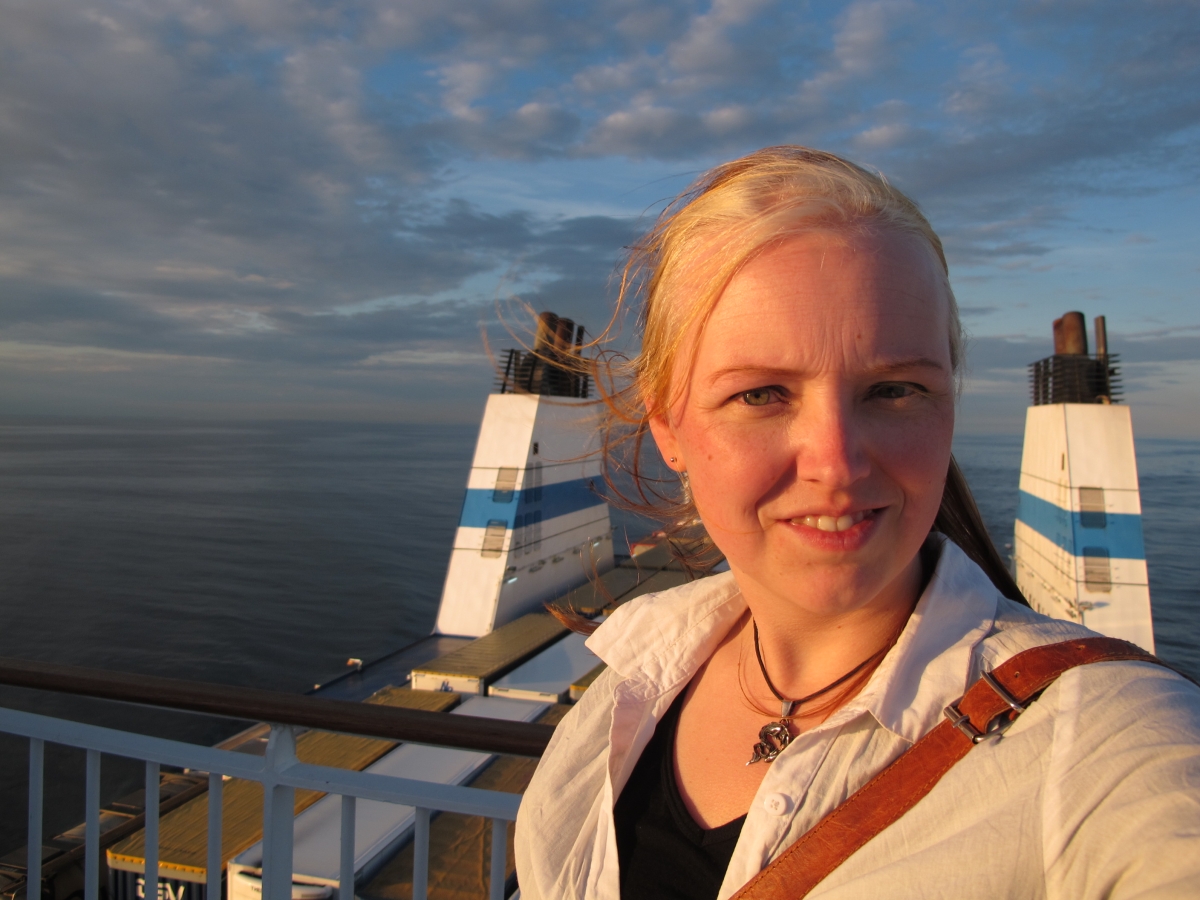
280 708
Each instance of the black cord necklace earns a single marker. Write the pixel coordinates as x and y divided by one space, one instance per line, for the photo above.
774 736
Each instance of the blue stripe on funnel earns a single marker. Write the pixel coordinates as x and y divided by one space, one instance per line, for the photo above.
1121 536
557 500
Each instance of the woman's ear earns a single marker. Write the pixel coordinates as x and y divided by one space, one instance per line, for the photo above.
668 445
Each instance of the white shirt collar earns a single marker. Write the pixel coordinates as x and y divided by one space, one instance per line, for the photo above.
658 642
662 639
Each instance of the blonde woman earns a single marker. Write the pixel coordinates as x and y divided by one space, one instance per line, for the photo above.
799 369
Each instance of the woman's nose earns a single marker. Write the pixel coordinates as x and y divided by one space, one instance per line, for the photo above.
830 446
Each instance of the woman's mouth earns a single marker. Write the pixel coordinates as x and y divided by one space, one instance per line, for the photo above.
833 523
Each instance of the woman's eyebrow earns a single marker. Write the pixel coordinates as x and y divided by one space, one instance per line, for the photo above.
768 372
883 368
912 362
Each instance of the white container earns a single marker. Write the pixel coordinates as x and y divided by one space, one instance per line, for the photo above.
549 675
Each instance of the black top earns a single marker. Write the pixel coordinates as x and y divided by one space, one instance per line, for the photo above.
663 853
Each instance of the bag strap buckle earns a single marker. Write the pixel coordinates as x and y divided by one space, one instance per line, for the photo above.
998 725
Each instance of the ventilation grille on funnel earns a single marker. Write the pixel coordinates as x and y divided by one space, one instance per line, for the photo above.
554 367
1075 378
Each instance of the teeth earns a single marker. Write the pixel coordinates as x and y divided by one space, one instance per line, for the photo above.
830 523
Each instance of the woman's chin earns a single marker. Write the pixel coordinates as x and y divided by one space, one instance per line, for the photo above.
826 573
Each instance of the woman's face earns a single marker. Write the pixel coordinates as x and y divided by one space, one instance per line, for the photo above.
816 417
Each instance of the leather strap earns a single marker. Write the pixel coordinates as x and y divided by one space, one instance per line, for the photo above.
982 713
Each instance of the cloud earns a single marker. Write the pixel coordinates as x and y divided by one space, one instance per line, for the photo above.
274 183
423 358
26 357
220 313
710 43
1166 345
983 82
882 137
863 43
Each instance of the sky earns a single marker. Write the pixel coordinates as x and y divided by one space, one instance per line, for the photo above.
283 209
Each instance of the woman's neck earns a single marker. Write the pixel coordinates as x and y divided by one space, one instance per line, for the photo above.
805 648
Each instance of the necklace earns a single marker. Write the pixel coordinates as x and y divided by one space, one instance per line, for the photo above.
774 736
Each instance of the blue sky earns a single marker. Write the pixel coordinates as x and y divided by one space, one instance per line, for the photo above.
266 208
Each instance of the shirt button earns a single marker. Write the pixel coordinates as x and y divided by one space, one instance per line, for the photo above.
777 804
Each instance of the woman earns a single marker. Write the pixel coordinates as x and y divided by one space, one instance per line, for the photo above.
799 368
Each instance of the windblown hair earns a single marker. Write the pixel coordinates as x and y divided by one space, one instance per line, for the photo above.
676 273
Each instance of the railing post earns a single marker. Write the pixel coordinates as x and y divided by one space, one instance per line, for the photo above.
33 853
279 810
346 874
91 832
150 878
499 857
216 785
421 855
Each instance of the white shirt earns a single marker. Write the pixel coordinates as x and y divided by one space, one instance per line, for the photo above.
1094 792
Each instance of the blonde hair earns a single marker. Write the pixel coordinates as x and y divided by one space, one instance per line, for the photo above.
676 273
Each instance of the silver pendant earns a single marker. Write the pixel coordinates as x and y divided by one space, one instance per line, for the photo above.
772 738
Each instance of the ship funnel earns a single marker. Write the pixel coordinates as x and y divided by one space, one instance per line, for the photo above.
1078 551
533 524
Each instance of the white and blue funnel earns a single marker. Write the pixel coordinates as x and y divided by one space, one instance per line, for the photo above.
534 523
1078 548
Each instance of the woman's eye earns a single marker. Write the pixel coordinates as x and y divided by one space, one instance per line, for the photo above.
895 391
758 397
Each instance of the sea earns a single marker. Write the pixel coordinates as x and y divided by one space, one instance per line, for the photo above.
268 555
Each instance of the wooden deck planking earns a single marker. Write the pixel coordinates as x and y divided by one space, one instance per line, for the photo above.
497 653
593 596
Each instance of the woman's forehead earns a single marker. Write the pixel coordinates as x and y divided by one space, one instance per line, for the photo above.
819 297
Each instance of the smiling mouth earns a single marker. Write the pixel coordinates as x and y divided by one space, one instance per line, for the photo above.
833 523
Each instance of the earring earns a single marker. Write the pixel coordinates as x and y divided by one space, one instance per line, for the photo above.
672 459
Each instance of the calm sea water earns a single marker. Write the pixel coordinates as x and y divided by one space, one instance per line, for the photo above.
268 555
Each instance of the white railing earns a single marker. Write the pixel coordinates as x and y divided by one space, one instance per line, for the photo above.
280 774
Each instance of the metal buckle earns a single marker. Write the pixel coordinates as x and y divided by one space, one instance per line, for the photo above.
962 722
1002 693
997 726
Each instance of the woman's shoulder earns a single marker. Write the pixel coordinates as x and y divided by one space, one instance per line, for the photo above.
1097 702
1018 628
